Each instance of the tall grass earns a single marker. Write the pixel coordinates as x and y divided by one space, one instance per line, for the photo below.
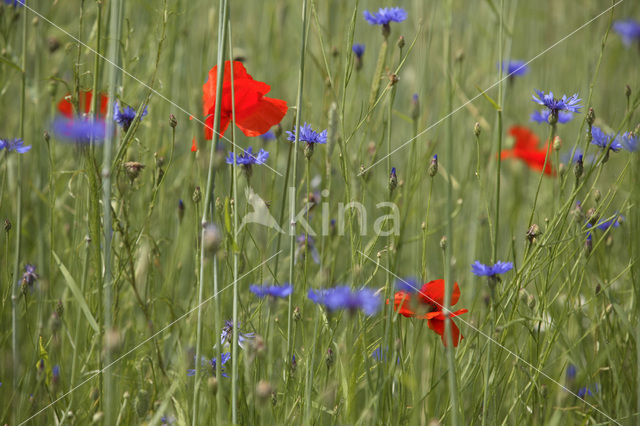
129 296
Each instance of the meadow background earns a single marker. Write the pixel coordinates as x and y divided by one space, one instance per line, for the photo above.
563 308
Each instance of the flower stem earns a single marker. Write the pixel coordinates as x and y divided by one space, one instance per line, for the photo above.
292 201
208 198
453 392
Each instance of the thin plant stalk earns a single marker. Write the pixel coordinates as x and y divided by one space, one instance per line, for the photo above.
114 46
16 264
292 201
453 392
208 198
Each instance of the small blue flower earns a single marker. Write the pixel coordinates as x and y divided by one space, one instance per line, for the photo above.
629 141
79 130
14 3
481 270
226 356
606 224
571 372
358 50
385 15
571 104
125 116
268 136
308 135
29 277
410 284
513 68
306 243
271 290
247 158
585 391
342 297
227 334
15 144
628 29
603 139
543 116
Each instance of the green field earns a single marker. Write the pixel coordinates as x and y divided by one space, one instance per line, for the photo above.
145 240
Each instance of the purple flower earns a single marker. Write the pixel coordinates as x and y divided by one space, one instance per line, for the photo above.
125 116
571 104
15 144
611 223
29 277
543 116
79 130
247 158
629 141
308 135
358 50
343 297
571 372
14 3
584 391
385 15
628 29
513 68
481 270
227 334
603 139
271 290
410 284
268 136
307 243
212 362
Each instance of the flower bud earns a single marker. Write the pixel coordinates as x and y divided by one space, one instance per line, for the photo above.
173 122
557 143
296 314
443 242
330 358
46 136
197 195
7 225
533 232
263 391
133 169
477 130
553 117
393 179
578 168
433 167
415 107
401 42
591 117
627 91
212 238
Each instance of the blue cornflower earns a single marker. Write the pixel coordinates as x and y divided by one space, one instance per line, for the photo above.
578 154
308 135
543 116
385 15
271 290
15 144
612 223
29 277
226 356
571 104
628 29
514 68
629 141
227 334
306 243
603 139
584 391
14 3
342 297
482 270
410 284
247 158
571 372
124 117
358 50
268 136
79 130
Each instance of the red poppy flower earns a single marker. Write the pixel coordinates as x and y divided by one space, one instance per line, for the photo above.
431 297
526 149
255 113
66 107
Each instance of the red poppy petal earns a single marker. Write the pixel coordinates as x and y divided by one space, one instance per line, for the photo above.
65 107
194 145
437 325
267 113
525 139
433 293
400 302
208 128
